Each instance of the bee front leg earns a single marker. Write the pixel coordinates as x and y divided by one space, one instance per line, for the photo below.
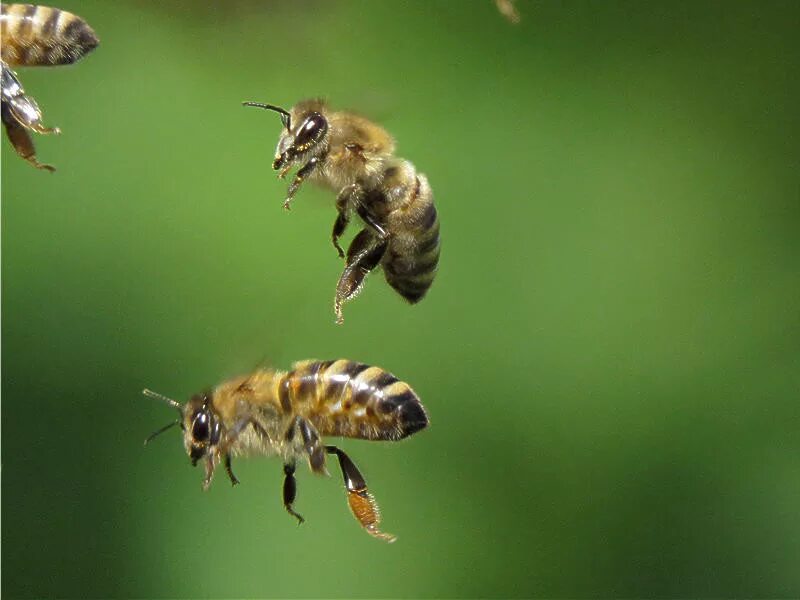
290 491
210 466
361 502
304 172
21 140
223 451
364 254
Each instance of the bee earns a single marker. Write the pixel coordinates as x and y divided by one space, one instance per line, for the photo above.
354 157
286 414
508 10
32 35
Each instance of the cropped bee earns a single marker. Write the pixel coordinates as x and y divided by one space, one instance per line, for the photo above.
33 35
355 158
286 414
508 10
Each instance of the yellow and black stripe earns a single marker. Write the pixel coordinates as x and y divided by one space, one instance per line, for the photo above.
39 35
411 274
350 399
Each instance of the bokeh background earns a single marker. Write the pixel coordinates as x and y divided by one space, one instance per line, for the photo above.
610 355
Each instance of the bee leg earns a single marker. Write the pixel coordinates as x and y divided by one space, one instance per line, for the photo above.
21 140
373 224
290 492
229 470
338 229
363 256
361 502
311 443
222 450
304 172
39 128
508 10
344 200
210 465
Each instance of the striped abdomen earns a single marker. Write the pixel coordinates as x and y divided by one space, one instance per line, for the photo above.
412 257
40 35
351 399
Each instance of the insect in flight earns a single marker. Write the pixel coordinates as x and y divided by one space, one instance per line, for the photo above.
287 413
508 10
355 158
32 35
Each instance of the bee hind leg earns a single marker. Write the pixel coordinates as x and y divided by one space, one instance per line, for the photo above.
362 504
364 254
21 140
39 128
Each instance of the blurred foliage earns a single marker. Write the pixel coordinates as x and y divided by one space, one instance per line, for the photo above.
610 355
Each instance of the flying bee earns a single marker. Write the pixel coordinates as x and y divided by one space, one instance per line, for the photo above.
32 35
286 414
508 10
354 157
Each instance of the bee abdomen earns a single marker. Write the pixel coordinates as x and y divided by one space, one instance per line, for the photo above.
410 264
40 35
351 399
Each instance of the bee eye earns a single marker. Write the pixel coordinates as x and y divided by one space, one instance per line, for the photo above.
312 129
200 427
215 432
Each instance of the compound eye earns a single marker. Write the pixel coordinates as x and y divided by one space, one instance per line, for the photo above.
215 432
311 130
200 428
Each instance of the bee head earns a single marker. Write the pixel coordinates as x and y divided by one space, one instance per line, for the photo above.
201 427
304 132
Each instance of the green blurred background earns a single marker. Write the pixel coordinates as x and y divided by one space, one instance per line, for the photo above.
610 355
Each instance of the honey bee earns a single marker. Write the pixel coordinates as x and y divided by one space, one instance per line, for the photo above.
355 158
286 414
508 10
32 35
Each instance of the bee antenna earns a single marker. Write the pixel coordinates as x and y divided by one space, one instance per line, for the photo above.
160 431
285 116
157 396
